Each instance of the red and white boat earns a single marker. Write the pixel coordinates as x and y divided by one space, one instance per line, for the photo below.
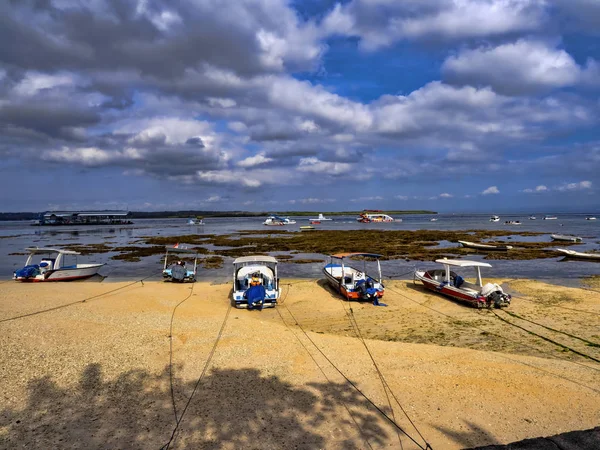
445 281
51 266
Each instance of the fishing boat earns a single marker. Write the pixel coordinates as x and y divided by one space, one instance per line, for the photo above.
195 221
367 217
255 282
590 218
433 220
565 238
315 222
321 218
446 282
488 247
277 220
177 270
550 218
579 255
512 222
353 283
52 267
306 228
494 219
532 218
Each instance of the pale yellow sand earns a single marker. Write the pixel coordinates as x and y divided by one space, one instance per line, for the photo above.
95 374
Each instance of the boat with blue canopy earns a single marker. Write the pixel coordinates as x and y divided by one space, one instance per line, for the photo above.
177 269
255 282
353 283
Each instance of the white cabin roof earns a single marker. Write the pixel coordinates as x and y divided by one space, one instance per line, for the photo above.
48 250
462 263
181 248
255 258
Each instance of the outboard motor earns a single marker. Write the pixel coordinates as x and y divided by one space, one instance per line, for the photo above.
178 272
494 295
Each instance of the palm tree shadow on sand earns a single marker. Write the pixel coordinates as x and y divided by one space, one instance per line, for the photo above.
231 408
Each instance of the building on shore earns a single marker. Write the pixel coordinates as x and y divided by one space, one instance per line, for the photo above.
50 218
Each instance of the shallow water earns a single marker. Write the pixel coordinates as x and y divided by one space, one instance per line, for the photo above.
16 235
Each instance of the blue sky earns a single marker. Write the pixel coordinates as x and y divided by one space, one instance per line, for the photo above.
449 105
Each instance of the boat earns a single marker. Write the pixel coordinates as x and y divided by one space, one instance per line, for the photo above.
321 218
306 228
590 218
512 222
578 255
276 220
489 247
448 283
433 220
352 283
314 222
550 218
565 238
177 270
195 221
532 218
494 219
255 282
51 266
367 217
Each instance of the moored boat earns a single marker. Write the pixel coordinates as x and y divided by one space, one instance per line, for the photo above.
512 222
565 238
579 255
532 218
590 218
488 247
195 221
255 282
550 218
307 228
352 283
178 271
494 219
321 218
448 283
52 267
369 217
277 220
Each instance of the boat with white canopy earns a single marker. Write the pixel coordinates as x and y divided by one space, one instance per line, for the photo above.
52 267
177 270
445 281
353 283
255 282
277 220
321 218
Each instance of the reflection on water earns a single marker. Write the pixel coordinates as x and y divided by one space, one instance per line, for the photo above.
15 236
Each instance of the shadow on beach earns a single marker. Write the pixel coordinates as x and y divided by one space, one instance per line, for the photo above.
231 408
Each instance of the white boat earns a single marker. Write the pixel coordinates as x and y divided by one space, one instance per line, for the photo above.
277 220
579 255
494 219
565 237
177 270
370 217
195 221
512 222
550 218
532 218
446 282
51 266
433 220
353 283
255 282
490 247
321 218
590 218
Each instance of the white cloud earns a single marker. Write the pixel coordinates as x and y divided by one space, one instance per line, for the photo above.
446 195
491 190
375 198
401 197
581 186
312 201
538 189
315 165
36 81
254 161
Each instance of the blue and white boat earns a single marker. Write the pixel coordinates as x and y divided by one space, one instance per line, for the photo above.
255 282
177 269
277 220
52 267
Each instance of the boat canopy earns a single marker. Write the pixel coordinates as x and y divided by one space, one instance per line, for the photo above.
48 250
348 255
462 263
255 258
180 249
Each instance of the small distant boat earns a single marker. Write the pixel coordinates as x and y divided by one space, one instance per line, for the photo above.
532 218
550 218
177 271
315 222
590 218
433 220
447 282
306 228
51 266
579 255
494 219
489 247
255 282
277 220
367 217
512 222
195 221
321 218
352 283
565 238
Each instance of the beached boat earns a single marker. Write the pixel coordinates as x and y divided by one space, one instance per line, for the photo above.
51 266
579 255
177 270
366 217
321 218
494 219
550 218
590 218
255 282
447 282
565 238
277 220
512 222
488 247
352 283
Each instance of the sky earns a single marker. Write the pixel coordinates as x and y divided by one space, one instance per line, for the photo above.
266 105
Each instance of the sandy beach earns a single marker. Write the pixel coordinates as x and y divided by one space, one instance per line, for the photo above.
96 374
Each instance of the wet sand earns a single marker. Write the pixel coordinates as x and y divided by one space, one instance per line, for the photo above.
96 374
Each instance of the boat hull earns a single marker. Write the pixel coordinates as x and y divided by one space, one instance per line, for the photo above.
64 274
579 255
476 246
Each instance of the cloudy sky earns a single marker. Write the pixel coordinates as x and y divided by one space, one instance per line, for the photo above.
450 105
